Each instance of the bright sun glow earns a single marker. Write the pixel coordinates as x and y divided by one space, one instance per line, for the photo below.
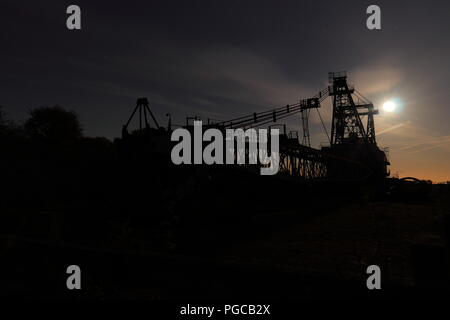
389 106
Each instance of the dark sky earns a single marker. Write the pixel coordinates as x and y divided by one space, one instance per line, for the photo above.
221 59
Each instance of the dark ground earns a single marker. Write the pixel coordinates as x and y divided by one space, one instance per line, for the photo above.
142 229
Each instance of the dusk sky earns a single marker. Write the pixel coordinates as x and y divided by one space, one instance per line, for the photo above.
222 59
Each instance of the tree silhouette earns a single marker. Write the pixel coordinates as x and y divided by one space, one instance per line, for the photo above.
8 128
54 124
3 120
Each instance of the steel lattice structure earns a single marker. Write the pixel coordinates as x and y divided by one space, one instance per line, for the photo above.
352 154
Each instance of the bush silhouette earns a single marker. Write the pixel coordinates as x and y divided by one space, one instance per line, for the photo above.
54 124
2 117
9 130
5 123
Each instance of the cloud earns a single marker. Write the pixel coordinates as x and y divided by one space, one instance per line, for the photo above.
222 81
376 79
395 127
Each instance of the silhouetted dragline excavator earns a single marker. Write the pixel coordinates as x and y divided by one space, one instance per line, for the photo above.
352 152
142 106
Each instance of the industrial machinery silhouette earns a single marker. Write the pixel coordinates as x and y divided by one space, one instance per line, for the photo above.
352 154
142 106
